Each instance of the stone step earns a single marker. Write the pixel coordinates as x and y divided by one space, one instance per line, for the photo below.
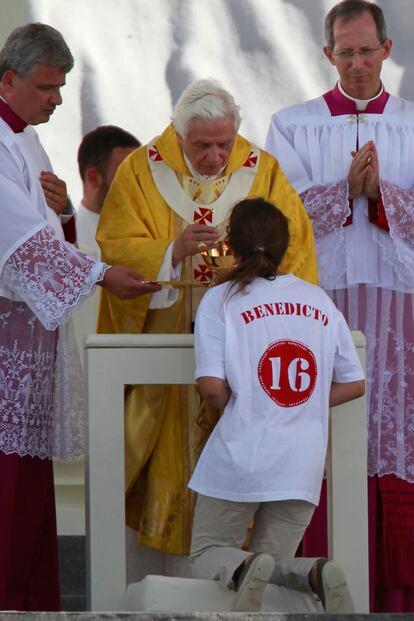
185 595
72 566
199 616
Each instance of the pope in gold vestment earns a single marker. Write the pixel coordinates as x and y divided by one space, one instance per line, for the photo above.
153 197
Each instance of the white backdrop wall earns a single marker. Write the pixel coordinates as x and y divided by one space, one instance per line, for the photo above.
134 57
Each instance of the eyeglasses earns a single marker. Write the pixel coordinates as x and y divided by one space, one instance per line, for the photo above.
364 52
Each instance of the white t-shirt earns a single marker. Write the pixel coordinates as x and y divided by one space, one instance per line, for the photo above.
278 345
86 225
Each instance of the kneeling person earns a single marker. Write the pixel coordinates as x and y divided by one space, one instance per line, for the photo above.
267 346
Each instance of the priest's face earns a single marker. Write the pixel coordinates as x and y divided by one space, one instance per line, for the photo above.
209 143
358 55
34 97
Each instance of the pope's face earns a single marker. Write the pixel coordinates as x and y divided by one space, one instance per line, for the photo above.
34 97
209 143
358 55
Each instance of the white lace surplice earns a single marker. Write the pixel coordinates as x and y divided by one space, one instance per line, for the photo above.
41 388
387 319
368 272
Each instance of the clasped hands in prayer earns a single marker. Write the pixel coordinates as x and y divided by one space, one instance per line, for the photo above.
363 177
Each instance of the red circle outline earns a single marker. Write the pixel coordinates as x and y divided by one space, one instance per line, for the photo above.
264 358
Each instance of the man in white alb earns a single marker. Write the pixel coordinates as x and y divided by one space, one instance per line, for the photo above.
349 153
42 278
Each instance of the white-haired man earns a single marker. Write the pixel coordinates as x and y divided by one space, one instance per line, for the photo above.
165 204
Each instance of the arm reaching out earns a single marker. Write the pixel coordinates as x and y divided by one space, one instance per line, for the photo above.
123 282
215 391
347 391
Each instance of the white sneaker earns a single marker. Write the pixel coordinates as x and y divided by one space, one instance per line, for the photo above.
333 589
256 571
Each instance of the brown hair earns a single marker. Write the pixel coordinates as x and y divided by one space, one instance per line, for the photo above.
96 147
258 233
349 9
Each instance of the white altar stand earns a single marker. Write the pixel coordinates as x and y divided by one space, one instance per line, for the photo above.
113 361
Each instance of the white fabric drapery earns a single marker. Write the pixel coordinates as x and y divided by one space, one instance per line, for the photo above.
41 385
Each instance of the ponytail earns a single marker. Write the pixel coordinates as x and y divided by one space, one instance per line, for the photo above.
258 233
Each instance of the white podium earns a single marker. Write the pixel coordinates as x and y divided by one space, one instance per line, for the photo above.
114 361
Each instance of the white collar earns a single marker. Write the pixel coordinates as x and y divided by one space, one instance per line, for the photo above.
361 104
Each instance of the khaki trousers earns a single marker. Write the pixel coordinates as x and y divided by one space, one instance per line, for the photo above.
220 528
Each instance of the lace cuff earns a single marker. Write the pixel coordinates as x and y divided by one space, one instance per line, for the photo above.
399 207
51 276
327 206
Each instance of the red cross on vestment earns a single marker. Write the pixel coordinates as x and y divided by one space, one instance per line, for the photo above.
204 215
251 161
154 154
203 273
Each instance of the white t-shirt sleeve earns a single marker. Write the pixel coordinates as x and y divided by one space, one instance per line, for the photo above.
209 337
347 366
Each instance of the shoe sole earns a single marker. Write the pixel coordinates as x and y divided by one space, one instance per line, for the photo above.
337 596
249 596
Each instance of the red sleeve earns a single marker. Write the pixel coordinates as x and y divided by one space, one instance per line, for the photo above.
69 230
377 215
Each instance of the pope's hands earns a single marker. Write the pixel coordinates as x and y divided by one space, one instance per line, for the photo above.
125 283
187 244
55 191
363 177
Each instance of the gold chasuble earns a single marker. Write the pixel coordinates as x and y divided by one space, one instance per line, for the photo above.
151 200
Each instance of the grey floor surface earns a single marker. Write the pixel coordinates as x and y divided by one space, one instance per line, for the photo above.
72 573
